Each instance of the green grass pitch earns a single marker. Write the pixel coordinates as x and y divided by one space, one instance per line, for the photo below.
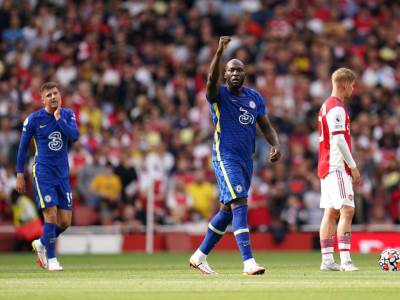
168 276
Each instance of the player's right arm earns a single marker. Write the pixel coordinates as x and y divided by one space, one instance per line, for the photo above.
336 119
27 133
68 125
213 74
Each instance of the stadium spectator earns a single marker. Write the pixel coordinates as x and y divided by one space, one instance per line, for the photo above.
179 202
379 216
259 215
28 225
86 175
203 194
294 215
311 202
128 176
105 188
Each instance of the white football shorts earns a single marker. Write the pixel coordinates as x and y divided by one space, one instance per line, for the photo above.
337 190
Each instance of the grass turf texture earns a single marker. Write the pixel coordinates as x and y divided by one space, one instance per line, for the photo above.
168 276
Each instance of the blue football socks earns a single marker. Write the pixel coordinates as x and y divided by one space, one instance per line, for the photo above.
48 239
241 231
216 229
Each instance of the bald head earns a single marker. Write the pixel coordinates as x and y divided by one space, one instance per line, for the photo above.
234 62
234 74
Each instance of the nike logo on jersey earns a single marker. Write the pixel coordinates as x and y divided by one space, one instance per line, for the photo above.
42 126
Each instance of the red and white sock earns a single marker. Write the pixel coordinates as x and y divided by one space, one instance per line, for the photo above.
344 248
327 248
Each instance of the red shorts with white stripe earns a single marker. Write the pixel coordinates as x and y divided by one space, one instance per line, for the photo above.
337 190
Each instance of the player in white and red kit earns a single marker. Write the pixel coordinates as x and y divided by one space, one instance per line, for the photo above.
337 170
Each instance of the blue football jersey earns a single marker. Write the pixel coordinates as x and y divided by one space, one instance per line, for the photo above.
235 118
50 138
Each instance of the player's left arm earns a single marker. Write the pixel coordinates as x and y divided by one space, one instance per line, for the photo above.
336 120
340 141
271 136
67 123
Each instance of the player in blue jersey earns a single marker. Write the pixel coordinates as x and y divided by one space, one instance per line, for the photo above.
51 129
235 109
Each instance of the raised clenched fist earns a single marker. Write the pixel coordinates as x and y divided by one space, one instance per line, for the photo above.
223 42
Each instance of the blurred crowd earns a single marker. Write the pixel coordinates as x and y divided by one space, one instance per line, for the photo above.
134 73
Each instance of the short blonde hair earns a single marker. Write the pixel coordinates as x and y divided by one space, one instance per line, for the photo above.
343 75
